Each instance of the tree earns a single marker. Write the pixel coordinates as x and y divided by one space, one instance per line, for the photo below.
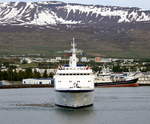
45 75
1 75
51 75
28 73
36 74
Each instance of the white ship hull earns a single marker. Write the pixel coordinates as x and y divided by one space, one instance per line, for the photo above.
74 99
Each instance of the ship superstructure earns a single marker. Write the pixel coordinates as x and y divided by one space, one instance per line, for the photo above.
74 84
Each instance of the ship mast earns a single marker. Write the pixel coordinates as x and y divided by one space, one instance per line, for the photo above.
73 58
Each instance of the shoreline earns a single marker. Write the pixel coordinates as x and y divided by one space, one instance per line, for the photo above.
17 86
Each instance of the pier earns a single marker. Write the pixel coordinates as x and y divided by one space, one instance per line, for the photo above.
26 86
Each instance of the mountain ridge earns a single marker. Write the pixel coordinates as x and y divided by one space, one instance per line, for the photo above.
48 27
53 13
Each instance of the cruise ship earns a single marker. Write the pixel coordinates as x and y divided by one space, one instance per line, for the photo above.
74 84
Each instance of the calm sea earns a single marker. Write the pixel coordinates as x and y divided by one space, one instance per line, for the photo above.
111 106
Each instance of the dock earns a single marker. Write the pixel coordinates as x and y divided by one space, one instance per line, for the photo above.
26 86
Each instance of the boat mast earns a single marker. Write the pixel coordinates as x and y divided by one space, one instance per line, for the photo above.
73 58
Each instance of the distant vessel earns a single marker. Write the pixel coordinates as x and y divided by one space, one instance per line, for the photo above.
109 79
74 85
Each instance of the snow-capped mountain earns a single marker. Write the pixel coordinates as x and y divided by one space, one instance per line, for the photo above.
53 13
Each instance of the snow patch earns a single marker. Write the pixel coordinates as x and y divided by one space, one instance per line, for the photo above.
34 14
105 11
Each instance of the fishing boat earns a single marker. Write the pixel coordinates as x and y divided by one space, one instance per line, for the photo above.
110 79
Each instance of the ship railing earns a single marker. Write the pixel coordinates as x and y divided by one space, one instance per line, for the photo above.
74 73
76 68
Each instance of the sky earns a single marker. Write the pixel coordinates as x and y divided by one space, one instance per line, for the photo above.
144 4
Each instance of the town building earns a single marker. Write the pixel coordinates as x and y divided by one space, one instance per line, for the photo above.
84 59
26 60
37 81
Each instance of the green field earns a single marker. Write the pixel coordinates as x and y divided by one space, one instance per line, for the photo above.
130 43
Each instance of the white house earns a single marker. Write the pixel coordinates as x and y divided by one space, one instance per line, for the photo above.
37 81
41 71
58 58
28 60
84 59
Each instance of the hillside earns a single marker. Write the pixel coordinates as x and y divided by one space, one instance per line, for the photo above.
48 27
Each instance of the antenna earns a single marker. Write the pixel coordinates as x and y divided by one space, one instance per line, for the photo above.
73 46
73 43
73 59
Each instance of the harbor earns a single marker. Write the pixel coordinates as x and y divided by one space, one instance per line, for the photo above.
144 80
74 62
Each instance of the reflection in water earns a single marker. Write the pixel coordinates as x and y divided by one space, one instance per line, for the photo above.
37 105
74 116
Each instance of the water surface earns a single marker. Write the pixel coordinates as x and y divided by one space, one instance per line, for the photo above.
111 106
